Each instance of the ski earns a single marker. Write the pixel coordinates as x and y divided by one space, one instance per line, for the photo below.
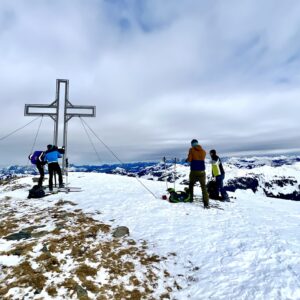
63 190
215 206
211 205
72 187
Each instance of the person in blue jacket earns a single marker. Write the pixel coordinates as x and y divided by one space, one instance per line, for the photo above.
51 157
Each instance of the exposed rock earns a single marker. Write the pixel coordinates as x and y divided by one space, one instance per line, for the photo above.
62 202
45 249
291 196
36 179
60 227
284 182
120 232
17 252
16 187
242 183
185 182
18 236
81 292
39 234
37 292
31 228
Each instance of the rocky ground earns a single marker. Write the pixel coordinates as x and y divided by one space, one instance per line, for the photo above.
52 249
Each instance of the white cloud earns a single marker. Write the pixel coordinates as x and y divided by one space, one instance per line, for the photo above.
160 73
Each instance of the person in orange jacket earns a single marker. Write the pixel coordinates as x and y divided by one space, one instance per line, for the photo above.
196 157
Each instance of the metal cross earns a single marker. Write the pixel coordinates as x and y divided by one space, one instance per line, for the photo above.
52 110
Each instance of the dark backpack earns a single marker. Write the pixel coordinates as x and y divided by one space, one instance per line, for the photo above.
36 192
178 196
212 189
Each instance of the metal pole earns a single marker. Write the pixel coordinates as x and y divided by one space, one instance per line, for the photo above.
65 137
67 180
165 166
55 140
175 173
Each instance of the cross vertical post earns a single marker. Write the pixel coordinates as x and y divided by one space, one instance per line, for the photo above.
71 111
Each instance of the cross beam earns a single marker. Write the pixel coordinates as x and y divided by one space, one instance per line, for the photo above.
50 110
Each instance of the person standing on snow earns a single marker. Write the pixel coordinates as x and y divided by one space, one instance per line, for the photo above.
37 158
218 173
196 157
51 157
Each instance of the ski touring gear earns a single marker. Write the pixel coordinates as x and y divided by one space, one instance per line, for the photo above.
36 192
215 187
63 190
212 189
175 161
179 196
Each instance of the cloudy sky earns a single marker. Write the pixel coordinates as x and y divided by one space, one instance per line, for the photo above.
161 72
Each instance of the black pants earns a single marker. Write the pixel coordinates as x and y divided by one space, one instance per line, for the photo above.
54 167
40 167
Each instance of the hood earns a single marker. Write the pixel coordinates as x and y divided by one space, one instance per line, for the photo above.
214 157
198 148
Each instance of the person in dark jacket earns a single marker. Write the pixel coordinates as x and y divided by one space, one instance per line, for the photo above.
37 158
51 157
218 173
196 157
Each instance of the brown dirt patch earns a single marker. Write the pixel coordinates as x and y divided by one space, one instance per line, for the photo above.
74 252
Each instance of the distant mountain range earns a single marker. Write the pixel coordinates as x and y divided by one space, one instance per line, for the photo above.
106 168
275 176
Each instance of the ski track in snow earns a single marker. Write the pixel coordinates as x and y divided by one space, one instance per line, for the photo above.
249 250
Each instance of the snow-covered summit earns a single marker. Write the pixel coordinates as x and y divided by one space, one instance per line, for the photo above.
274 176
246 249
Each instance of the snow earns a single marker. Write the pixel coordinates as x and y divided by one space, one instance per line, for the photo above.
248 250
5 245
9 260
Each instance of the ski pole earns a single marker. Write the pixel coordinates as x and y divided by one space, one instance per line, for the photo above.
165 167
175 174
67 175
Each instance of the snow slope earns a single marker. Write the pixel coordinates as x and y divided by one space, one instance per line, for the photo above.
274 176
277 180
249 249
